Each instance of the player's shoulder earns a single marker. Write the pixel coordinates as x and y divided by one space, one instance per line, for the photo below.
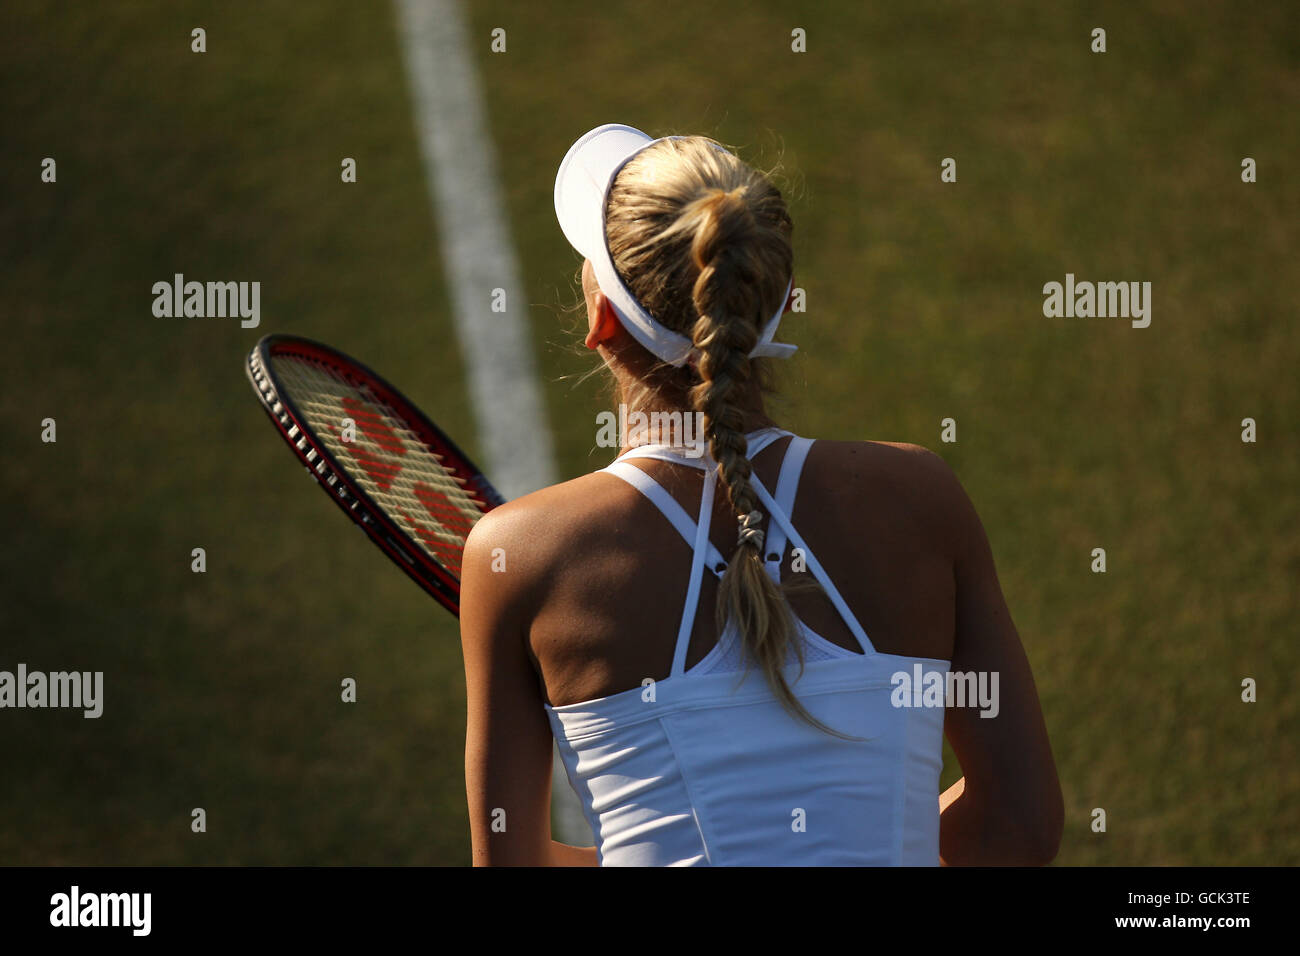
901 463
513 552
916 463
557 515
905 479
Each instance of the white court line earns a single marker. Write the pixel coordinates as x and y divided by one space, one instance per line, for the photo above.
478 256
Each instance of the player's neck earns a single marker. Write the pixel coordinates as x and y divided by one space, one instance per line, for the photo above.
657 407
673 425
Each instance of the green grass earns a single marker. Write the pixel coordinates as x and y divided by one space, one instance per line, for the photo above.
924 303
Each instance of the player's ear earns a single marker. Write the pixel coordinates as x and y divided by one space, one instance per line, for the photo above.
602 322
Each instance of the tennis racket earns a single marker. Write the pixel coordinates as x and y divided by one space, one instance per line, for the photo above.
392 471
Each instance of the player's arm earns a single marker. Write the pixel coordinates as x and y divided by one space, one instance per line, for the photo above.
508 742
1007 809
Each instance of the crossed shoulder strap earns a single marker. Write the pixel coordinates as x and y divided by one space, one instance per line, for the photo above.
667 504
696 532
671 510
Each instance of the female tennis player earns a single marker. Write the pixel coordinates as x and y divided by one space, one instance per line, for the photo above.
742 649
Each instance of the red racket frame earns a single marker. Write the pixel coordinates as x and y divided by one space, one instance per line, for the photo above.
333 477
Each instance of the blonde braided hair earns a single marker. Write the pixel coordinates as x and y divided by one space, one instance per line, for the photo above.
703 241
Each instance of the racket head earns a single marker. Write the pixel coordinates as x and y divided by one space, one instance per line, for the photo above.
398 476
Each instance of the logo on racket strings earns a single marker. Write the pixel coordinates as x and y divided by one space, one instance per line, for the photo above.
407 479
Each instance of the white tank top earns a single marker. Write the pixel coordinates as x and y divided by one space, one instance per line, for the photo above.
707 767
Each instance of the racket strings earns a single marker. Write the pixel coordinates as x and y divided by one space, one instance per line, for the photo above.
394 466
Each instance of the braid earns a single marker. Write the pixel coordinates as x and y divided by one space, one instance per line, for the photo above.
703 242
724 334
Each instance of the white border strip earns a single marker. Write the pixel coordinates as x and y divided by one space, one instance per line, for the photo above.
478 256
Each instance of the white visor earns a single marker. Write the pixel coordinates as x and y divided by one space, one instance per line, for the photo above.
581 192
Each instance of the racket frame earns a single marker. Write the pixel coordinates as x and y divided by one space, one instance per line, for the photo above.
332 476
